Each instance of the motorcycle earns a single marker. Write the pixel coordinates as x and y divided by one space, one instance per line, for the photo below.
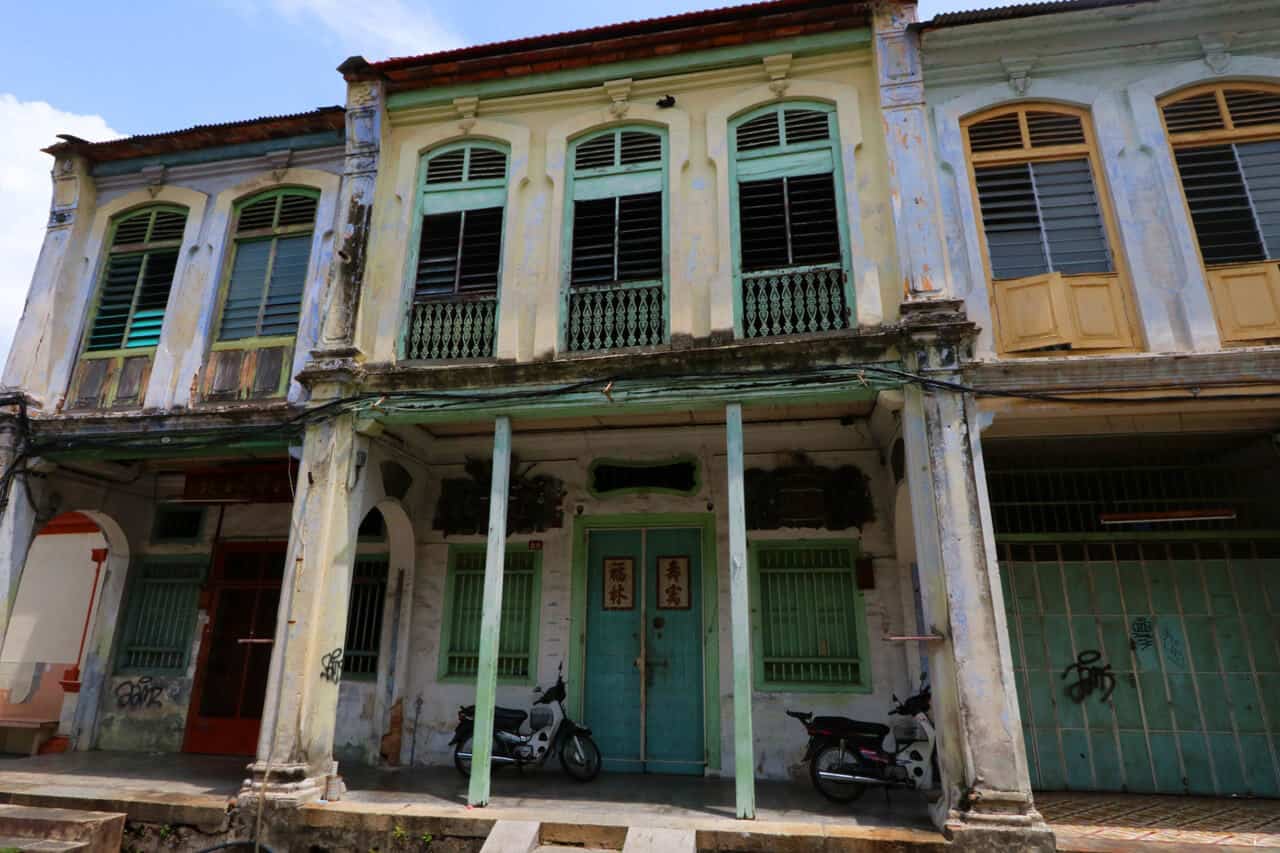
549 732
846 756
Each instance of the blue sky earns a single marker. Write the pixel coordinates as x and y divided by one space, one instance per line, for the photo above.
104 69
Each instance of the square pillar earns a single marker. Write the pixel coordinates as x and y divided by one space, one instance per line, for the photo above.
295 746
491 615
740 612
986 799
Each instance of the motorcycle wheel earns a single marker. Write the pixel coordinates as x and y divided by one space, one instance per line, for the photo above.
835 759
463 764
580 757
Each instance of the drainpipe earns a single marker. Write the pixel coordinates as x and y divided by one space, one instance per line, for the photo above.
71 678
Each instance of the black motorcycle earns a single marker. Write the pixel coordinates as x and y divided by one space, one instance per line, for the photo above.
846 756
549 732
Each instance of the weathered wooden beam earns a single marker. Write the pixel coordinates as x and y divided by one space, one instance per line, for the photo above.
491 615
740 610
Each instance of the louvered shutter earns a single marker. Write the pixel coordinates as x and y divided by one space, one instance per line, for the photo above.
153 296
136 280
481 251
269 273
284 292
791 221
617 239
244 293
459 252
438 255
594 241
1219 202
115 301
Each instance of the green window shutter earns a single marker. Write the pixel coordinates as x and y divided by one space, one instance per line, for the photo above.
810 616
136 280
364 618
459 252
517 647
160 615
269 272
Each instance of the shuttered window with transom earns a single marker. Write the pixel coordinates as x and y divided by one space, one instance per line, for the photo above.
458 261
160 615
136 279
364 617
273 235
1226 144
616 241
790 249
1046 228
464 603
810 630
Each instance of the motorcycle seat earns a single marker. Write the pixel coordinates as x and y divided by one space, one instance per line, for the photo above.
843 726
505 719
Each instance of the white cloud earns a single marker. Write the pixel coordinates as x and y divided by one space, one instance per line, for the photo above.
375 29
25 193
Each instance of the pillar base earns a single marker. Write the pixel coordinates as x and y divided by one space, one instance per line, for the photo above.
998 821
287 785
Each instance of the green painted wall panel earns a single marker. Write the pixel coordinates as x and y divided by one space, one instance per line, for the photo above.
1108 769
1075 754
1260 773
1196 765
1224 751
1052 776
1137 761
1165 762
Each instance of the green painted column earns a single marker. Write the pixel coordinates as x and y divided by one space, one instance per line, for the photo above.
740 610
491 615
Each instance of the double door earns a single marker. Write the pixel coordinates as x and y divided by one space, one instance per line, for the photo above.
643 694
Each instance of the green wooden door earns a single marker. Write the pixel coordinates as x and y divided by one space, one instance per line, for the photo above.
1191 633
643 696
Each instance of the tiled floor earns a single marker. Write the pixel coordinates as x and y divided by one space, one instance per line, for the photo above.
1170 820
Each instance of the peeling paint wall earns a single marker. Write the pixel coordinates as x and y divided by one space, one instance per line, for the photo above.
779 740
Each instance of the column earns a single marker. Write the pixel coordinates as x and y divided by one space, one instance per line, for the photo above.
986 802
295 747
740 613
491 615
19 519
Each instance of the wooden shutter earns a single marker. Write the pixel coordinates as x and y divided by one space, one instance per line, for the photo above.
617 239
459 252
283 301
269 273
161 615
244 292
790 221
136 280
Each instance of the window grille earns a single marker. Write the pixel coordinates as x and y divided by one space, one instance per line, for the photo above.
137 278
364 618
517 644
809 616
616 295
161 615
459 259
790 251
269 270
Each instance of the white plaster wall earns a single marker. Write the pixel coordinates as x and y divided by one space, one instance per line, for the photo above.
53 598
779 741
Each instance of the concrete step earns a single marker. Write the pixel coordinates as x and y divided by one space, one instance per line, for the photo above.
650 839
97 832
559 848
513 836
29 844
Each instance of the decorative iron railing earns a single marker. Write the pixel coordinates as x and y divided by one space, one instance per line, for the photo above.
453 328
614 316
793 302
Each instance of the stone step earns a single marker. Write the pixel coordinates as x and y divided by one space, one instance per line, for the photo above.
559 848
513 836
42 845
96 832
651 839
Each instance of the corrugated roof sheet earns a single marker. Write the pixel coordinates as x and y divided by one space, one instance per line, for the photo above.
1023 10
205 135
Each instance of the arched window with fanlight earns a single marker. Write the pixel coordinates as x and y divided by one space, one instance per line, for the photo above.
791 254
616 240
1226 144
1057 282
457 264
129 309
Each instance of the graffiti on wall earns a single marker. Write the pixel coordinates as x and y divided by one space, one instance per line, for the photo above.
331 666
1090 677
143 693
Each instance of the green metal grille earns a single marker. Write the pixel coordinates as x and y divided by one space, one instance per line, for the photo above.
793 302
808 615
455 328
519 610
364 618
1189 632
160 616
615 315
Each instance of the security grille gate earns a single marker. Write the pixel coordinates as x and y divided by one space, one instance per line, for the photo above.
1145 660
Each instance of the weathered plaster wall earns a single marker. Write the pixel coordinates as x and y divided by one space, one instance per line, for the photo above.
779 740
537 130
1116 64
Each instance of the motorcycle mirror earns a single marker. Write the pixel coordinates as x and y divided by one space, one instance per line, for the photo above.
895 698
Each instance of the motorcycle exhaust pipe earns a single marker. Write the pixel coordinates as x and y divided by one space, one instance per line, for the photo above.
848 777
497 759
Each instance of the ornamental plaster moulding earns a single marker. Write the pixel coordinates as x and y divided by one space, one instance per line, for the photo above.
466 109
155 177
1216 54
279 161
1018 70
778 67
620 94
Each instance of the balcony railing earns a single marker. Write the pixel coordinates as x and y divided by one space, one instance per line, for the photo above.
614 316
793 302
452 328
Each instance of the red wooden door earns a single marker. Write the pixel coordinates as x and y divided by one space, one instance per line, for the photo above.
235 649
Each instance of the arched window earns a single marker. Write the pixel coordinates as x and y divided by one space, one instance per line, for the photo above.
1226 143
791 255
142 255
458 264
273 234
1048 231
616 233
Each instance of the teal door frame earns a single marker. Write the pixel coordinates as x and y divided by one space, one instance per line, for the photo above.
704 522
